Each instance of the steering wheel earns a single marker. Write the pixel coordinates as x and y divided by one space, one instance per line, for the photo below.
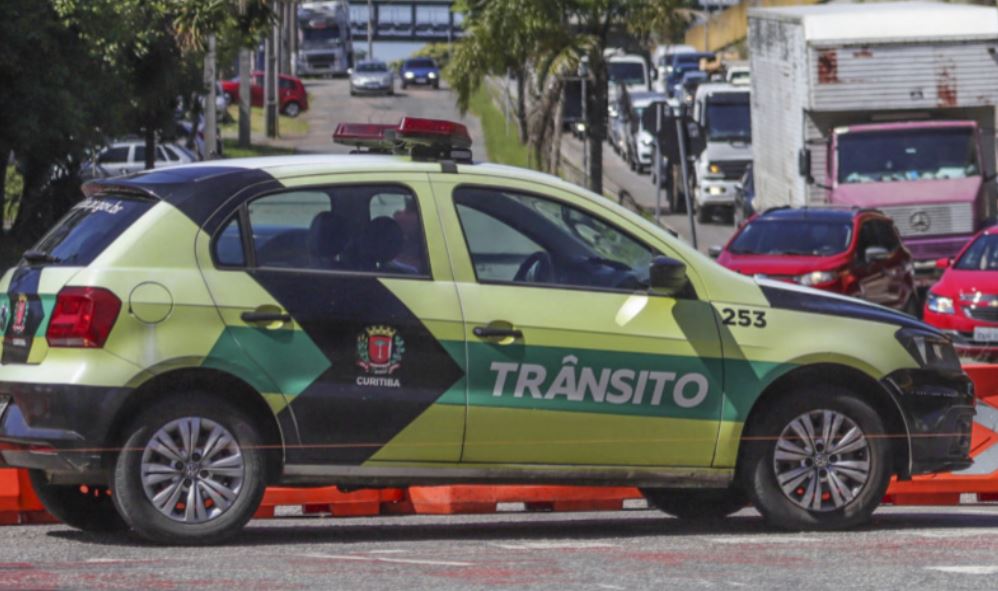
542 266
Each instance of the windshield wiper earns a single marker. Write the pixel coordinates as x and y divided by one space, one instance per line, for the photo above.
37 256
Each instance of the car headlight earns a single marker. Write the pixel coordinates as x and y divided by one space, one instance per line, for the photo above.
930 350
409 75
431 75
940 304
647 140
817 278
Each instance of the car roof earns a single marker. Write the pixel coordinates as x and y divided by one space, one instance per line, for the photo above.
830 214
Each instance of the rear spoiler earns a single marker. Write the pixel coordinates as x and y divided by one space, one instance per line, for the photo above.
96 188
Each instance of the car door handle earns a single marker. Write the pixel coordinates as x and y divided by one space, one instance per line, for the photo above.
489 332
265 317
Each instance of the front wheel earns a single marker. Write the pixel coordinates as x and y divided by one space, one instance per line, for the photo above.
88 508
818 460
697 505
192 471
292 109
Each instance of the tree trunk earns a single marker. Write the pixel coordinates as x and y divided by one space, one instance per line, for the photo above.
210 107
596 119
150 137
521 103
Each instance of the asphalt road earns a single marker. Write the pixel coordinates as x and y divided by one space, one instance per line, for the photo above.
905 548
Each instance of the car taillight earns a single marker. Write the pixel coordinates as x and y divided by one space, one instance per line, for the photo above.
82 317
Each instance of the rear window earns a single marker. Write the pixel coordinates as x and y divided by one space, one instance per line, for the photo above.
89 228
793 237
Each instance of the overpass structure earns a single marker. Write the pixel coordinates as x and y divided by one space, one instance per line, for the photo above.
406 20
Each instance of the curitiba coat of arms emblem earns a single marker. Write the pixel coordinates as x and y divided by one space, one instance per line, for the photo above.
380 350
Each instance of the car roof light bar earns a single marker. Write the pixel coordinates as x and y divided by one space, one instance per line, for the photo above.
423 139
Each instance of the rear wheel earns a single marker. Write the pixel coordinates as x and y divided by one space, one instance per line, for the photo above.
192 471
292 109
85 507
697 505
817 460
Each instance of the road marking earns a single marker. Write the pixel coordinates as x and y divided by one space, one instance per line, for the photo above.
555 546
392 560
763 540
605 586
967 570
387 552
956 533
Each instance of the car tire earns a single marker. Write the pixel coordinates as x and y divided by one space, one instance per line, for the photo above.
237 492
805 464
702 505
88 508
292 109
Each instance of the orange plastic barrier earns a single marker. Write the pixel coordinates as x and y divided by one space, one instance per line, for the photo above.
330 499
485 498
18 503
981 478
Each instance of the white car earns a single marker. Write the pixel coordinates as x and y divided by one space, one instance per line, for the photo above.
372 77
128 156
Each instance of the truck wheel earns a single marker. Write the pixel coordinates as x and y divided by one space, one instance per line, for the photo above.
701 505
192 471
705 214
817 460
89 508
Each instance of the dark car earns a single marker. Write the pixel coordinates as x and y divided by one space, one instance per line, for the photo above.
423 71
854 252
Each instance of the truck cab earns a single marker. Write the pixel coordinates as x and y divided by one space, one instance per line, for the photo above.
926 175
325 42
721 142
629 71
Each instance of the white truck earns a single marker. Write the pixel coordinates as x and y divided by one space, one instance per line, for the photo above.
629 70
886 105
325 39
721 141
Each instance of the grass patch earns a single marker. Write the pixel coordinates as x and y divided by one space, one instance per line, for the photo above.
232 150
286 126
502 142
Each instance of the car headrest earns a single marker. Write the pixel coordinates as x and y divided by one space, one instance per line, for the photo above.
327 236
380 242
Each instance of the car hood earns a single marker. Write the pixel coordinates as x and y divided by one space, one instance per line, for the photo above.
750 264
805 299
907 192
955 282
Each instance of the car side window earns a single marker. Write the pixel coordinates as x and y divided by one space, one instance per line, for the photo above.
886 235
363 228
115 154
229 245
527 239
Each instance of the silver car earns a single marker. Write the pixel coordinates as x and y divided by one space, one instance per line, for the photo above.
372 77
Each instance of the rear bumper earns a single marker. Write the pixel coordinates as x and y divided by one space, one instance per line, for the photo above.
938 409
62 429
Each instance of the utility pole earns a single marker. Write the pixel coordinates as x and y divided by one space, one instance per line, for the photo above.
370 29
210 112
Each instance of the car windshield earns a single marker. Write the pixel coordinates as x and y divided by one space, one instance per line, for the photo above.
627 72
372 67
908 155
729 118
982 255
325 36
419 64
793 237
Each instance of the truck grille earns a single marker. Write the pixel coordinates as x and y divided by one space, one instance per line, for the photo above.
733 169
931 220
322 61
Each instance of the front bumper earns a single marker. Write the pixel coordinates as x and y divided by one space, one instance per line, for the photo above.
717 192
366 89
62 429
938 409
419 80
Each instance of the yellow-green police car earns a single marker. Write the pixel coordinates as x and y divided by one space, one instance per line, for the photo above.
185 337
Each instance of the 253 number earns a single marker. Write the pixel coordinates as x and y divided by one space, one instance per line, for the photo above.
732 317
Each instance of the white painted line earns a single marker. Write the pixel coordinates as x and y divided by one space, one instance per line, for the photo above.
392 560
967 570
950 533
764 540
555 546
636 504
387 552
605 586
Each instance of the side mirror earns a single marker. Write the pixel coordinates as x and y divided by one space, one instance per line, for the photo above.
876 253
667 276
715 251
943 263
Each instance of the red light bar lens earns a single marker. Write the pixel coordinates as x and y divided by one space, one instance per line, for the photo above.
435 131
360 133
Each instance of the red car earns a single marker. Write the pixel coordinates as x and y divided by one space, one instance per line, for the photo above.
964 302
855 252
291 93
